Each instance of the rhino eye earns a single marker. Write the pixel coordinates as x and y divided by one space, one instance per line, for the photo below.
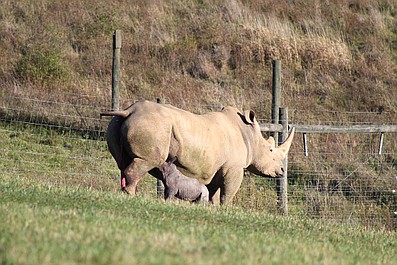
271 149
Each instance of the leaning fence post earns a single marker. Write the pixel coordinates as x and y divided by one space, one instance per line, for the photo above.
305 152
380 143
116 70
159 183
282 183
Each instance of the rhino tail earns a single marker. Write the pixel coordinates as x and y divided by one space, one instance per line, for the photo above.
119 113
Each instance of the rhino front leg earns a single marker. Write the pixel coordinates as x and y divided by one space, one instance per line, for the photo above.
232 183
215 198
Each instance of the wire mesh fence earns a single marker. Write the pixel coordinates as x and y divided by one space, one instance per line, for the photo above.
341 176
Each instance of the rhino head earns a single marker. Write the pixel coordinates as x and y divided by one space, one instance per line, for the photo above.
268 159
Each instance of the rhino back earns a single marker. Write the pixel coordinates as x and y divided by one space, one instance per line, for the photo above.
201 143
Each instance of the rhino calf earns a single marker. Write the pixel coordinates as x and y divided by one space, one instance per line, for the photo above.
177 185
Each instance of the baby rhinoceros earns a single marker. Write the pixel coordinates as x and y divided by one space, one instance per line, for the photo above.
177 185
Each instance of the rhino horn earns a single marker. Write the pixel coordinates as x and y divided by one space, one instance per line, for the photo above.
271 141
284 148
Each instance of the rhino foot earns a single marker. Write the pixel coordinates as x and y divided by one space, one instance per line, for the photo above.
129 190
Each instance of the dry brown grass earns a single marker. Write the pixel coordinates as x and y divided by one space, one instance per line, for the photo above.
199 53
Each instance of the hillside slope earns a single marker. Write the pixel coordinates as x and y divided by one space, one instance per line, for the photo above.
336 54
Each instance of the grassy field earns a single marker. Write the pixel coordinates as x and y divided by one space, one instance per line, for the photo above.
59 207
49 224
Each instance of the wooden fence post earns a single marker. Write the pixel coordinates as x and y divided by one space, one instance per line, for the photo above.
116 70
282 183
279 115
159 183
276 95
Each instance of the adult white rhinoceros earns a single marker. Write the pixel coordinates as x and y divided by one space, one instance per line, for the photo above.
214 148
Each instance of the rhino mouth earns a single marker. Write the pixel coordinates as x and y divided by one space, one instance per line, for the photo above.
281 172
276 174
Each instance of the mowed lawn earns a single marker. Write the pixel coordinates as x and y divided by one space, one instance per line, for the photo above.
45 224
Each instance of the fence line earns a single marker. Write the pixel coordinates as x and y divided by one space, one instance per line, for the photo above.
342 178
346 128
269 127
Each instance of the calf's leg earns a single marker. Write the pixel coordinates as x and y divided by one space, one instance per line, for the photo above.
169 193
204 196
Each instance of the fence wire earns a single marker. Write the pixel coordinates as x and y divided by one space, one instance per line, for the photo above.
341 177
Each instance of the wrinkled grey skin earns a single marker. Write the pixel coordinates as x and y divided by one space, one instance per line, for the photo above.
177 185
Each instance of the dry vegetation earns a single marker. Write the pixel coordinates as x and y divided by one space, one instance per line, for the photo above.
336 54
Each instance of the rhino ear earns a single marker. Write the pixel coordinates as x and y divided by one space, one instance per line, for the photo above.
249 116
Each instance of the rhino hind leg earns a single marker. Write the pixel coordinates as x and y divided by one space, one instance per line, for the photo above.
133 173
113 136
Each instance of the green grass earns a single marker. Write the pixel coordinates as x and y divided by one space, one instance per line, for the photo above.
35 151
48 224
59 205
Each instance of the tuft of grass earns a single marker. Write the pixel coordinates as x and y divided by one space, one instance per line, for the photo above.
38 65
